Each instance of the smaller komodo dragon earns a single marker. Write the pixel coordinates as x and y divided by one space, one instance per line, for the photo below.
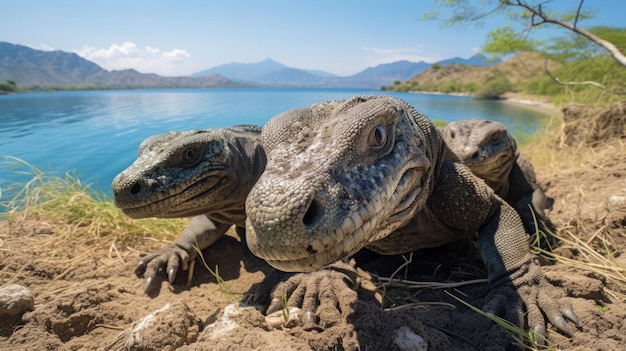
490 152
204 174
373 172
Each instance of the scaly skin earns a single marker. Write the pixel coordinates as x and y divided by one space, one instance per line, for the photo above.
373 172
202 173
490 152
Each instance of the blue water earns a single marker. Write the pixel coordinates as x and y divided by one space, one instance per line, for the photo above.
96 133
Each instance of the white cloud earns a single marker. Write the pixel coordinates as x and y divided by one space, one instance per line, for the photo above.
152 50
476 49
128 55
175 55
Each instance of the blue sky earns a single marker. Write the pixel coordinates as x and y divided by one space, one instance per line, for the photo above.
183 37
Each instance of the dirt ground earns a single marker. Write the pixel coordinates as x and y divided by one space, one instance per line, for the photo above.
88 298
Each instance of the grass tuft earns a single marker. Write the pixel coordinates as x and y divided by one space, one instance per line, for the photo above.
65 199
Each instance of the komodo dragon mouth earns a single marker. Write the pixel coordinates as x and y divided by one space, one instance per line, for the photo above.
339 175
176 201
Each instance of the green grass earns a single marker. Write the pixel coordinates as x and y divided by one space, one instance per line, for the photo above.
66 199
223 287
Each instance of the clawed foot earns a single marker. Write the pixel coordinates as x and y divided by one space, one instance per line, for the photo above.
315 300
170 258
539 297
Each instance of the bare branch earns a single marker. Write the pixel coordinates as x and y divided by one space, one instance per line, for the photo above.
580 6
607 45
587 82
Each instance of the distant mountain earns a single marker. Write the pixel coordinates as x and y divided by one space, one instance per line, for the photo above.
476 60
268 73
387 73
291 77
272 73
244 72
57 69
523 67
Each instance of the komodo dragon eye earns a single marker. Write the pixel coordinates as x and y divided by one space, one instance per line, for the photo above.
191 155
378 136
495 138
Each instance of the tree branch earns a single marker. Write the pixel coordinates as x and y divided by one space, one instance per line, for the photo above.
580 6
587 82
537 12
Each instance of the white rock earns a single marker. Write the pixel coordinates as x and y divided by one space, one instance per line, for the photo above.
407 340
15 300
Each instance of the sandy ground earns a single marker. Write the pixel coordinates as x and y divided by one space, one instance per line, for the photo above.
87 297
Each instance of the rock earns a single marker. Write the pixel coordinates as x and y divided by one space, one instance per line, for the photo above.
407 340
15 300
168 328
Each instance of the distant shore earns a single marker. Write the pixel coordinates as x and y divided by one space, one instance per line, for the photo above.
530 102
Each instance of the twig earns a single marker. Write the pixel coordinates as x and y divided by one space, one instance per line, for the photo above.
430 285
409 306
587 82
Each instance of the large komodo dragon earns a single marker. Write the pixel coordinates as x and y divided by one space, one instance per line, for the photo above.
202 173
490 152
373 172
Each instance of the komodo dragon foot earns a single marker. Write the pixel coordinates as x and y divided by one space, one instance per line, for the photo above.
324 296
532 290
170 258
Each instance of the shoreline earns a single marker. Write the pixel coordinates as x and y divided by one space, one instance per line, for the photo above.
535 105
508 98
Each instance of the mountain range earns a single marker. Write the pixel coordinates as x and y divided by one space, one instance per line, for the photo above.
271 73
31 68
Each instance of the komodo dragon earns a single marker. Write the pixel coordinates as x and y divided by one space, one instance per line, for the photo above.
373 172
490 152
202 173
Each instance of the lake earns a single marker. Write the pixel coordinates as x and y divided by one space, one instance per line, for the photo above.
97 133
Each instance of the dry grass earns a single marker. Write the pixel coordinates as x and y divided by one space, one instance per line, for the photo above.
67 220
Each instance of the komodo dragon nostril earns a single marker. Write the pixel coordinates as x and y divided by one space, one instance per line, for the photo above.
135 189
314 213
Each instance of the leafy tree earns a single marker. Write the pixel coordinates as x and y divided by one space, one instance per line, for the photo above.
527 16
8 87
493 88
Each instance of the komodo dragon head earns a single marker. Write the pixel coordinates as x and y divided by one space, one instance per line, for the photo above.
340 174
485 147
181 174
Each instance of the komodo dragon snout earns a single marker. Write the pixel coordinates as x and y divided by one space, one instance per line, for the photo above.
356 178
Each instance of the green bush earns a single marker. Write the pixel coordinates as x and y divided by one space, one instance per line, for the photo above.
493 88
8 87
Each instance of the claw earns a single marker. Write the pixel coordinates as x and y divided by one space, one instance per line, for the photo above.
192 265
569 313
561 325
140 268
148 285
275 305
309 318
171 275
540 333
247 299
